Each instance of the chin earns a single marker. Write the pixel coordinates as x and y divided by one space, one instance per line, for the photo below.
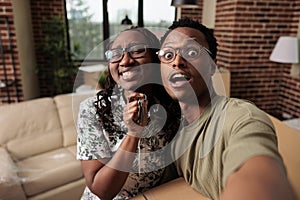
172 94
129 86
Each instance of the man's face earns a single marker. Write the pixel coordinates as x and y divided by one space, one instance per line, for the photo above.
186 67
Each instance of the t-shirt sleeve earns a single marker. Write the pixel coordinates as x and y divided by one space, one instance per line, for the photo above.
91 142
252 133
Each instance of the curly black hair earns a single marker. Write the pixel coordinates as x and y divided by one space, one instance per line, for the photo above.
188 22
103 102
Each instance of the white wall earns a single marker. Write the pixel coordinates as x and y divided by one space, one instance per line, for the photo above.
209 13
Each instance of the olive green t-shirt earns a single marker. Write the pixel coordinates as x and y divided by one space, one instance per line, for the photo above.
229 132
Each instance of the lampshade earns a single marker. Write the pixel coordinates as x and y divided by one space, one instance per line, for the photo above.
286 50
185 3
126 21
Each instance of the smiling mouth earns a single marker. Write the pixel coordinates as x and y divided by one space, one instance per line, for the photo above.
129 74
179 78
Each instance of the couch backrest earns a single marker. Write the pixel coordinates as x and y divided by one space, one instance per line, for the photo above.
29 128
68 107
289 145
221 82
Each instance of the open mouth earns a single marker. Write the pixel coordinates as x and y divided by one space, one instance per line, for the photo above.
179 78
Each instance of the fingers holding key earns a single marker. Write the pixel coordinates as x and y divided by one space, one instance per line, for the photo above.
135 114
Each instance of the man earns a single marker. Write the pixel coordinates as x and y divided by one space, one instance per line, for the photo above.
226 148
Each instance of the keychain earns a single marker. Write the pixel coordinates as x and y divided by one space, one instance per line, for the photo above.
142 110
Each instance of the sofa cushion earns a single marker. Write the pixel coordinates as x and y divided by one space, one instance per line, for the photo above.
68 107
70 191
31 127
72 149
9 180
33 145
49 170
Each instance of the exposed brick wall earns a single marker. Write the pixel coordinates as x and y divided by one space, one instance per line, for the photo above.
247 32
13 93
194 13
42 11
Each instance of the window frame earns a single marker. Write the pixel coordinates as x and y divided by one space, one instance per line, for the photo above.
105 26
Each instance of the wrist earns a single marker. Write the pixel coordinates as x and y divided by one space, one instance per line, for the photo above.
132 136
130 143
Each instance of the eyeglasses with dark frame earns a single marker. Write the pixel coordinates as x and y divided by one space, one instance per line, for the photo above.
134 51
190 52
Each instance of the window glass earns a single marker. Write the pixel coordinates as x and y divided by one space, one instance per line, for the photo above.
85 19
117 11
158 13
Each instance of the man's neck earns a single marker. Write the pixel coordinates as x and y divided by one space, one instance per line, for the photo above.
192 111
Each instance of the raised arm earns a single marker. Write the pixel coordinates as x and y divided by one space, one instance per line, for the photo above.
106 177
260 177
106 180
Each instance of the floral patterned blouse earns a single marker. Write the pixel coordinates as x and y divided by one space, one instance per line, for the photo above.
93 142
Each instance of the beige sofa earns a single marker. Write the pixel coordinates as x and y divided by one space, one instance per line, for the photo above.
38 150
289 145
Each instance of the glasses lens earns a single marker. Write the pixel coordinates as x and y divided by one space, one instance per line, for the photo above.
137 51
166 55
191 52
114 55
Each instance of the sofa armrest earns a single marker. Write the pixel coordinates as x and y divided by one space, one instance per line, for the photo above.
175 189
10 186
288 145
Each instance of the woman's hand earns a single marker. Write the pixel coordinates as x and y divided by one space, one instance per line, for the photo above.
135 114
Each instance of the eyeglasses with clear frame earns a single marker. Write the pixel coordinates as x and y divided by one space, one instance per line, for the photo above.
189 53
134 51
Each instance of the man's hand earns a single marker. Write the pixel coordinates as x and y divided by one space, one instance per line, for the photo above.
260 177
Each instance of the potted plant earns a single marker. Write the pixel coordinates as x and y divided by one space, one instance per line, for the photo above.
57 70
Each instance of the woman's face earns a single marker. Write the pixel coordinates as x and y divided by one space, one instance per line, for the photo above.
132 69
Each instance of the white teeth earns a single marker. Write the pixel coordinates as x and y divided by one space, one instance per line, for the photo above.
127 74
179 76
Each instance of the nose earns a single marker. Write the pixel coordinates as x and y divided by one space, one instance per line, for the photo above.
126 60
178 61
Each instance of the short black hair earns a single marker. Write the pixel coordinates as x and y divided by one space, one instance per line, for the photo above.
188 22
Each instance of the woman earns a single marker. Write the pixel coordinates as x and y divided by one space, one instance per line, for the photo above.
121 129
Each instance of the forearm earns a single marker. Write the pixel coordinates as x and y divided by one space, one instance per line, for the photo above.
250 189
259 178
109 179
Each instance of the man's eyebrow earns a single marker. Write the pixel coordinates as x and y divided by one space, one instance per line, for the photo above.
167 43
190 39
193 39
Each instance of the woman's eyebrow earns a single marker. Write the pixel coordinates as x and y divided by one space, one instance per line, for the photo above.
128 45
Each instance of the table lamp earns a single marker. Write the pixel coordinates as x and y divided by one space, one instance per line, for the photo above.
286 50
